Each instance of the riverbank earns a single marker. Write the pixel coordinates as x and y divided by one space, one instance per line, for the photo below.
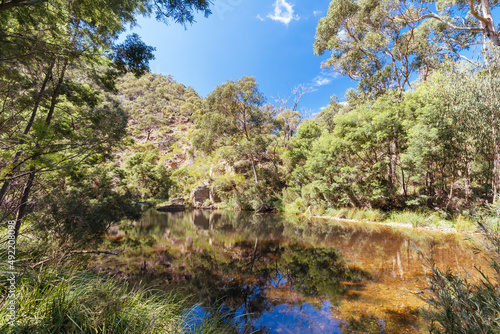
421 219
396 224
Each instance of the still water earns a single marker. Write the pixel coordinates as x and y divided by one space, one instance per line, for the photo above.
281 274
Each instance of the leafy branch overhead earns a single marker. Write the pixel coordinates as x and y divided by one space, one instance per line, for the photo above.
384 44
181 11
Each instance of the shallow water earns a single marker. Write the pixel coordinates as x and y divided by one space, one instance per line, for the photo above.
279 274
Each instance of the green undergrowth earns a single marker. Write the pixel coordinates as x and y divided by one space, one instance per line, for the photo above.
79 301
460 303
75 301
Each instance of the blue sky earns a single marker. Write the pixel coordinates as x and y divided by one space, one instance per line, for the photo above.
271 40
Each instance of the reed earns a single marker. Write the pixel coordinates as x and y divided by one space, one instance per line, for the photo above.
461 305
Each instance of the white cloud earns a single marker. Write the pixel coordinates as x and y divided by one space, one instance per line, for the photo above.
321 81
324 78
323 108
283 12
342 34
260 18
317 12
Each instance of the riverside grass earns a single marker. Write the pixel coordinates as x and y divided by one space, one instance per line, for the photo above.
67 300
65 297
74 301
422 218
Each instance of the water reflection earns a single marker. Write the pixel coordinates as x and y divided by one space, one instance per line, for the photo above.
278 274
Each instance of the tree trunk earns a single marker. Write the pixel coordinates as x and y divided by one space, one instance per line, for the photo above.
38 98
256 179
22 209
352 197
404 183
468 191
24 202
486 20
489 26
496 170
55 94
394 162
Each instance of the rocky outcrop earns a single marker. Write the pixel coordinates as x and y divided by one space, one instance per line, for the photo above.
214 197
199 195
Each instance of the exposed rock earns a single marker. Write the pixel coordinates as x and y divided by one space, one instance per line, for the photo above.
189 241
266 208
179 200
199 195
214 197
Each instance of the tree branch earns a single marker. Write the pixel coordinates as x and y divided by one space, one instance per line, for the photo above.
476 15
17 3
451 25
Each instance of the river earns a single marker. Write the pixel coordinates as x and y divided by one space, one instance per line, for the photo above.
282 274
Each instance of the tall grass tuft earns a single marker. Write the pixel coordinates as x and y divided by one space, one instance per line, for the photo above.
408 217
74 301
461 306
368 215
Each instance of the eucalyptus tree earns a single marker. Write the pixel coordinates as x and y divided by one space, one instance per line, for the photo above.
384 44
233 118
287 110
181 11
473 95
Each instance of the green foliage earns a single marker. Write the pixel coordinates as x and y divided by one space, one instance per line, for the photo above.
301 142
146 176
133 56
233 122
80 211
255 196
181 11
431 146
382 51
382 44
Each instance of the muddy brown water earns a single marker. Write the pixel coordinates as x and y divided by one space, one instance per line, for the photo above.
278 274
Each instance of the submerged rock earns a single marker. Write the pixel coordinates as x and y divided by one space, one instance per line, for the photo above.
172 208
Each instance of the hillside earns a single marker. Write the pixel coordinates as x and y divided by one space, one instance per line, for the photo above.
159 112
